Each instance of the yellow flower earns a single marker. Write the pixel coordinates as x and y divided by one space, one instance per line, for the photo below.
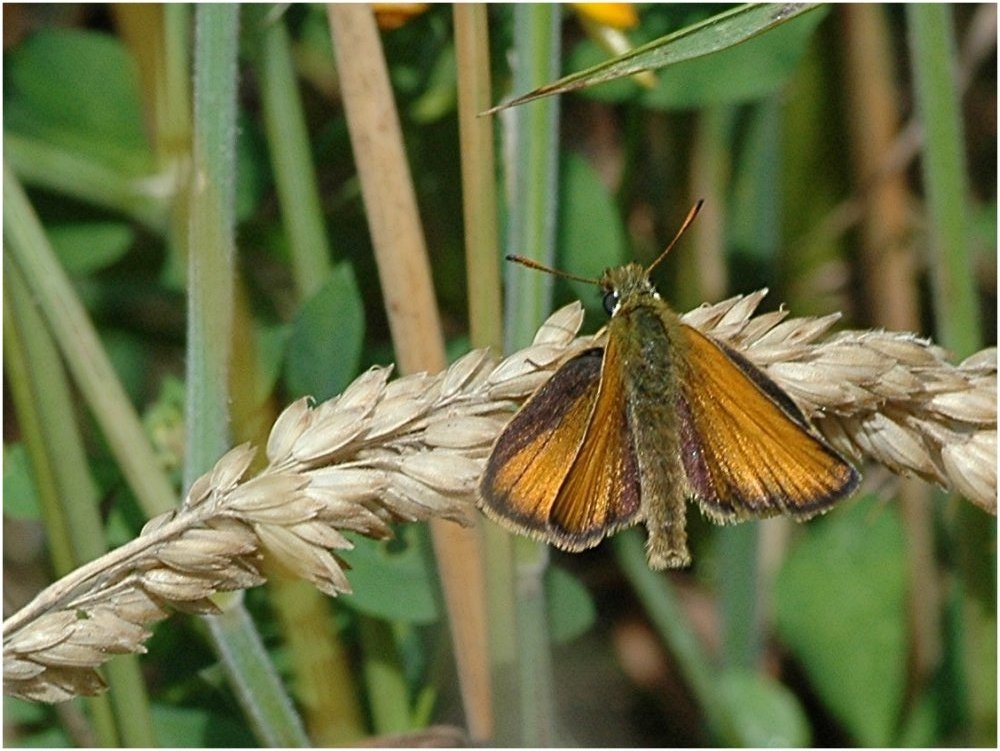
393 15
615 15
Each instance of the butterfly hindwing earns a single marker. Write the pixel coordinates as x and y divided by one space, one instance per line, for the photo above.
746 448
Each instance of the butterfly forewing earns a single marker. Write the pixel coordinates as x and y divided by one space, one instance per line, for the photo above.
563 468
537 448
601 492
746 448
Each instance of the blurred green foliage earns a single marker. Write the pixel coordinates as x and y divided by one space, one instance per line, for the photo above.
77 129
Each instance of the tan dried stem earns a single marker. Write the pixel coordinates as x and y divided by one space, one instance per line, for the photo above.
414 448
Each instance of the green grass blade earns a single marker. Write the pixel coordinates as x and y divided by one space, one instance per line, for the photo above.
210 320
211 239
58 169
532 175
934 67
291 160
711 35
67 492
956 305
670 622
81 347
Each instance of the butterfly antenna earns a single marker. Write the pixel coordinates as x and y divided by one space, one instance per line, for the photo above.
684 225
549 270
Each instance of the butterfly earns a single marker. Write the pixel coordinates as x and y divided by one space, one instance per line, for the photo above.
660 415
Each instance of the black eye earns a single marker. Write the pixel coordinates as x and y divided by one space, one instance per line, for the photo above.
610 302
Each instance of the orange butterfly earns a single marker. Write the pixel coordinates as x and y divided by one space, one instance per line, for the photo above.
662 413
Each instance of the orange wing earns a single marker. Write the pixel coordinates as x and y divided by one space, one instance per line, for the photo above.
601 492
747 449
564 469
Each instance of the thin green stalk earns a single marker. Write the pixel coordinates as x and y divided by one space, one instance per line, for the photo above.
47 166
82 350
931 39
739 583
324 681
68 495
174 143
266 705
23 331
532 180
210 320
742 639
288 142
211 238
669 619
28 375
326 687
532 172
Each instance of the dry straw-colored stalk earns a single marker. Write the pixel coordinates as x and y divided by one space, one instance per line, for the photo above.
414 448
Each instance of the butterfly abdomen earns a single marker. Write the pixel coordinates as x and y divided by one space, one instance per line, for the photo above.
650 382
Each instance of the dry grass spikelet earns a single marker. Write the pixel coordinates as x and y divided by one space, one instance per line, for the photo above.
413 448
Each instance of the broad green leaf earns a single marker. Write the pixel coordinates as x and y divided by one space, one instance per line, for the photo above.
79 90
392 579
841 610
87 247
589 235
571 609
720 32
194 727
761 712
325 343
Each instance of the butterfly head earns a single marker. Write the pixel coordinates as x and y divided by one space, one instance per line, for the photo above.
625 285
629 285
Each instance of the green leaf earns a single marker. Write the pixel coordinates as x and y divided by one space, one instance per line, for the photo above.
761 712
86 247
589 234
324 347
79 90
840 607
764 63
269 346
20 497
392 579
571 609
190 727
720 32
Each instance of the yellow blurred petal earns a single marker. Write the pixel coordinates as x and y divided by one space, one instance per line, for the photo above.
393 15
616 15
